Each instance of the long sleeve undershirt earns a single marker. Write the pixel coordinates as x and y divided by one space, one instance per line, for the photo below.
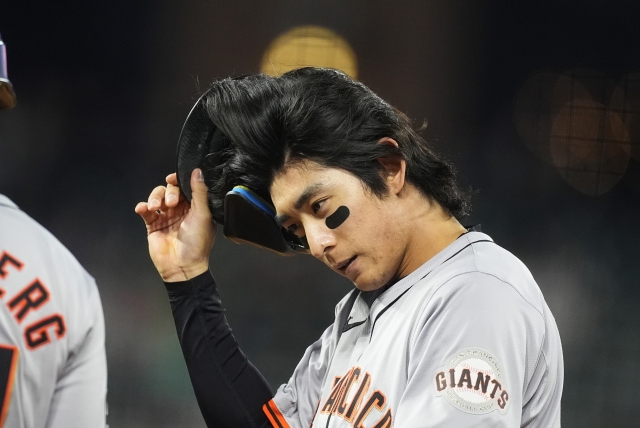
229 389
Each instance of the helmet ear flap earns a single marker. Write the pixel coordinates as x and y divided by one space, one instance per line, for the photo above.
251 220
7 96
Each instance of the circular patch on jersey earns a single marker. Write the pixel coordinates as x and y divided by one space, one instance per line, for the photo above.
473 381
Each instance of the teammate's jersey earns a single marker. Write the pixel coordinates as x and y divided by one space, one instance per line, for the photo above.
53 370
466 340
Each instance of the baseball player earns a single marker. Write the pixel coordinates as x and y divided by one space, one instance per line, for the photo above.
53 370
444 328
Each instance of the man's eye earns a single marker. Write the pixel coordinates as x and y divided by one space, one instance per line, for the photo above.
317 205
292 228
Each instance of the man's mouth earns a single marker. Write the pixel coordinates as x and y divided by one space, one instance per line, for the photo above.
342 267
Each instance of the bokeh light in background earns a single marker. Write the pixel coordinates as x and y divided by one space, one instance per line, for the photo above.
589 146
309 45
573 121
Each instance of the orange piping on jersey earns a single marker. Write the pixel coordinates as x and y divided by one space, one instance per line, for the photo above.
274 415
266 411
12 376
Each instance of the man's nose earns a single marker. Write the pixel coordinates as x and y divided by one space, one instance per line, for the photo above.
320 240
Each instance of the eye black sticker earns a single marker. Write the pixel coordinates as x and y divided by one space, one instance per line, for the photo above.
338 217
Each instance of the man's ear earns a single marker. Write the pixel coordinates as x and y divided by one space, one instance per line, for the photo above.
394 168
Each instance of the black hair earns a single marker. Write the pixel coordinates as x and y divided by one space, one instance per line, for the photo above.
320 115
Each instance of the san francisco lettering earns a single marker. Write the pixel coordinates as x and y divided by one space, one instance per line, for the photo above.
355 407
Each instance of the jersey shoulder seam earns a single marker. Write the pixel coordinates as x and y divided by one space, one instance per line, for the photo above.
471 271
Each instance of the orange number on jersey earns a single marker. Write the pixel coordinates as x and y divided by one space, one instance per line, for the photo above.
8 365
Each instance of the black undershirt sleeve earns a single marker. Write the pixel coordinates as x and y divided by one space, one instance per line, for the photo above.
229 389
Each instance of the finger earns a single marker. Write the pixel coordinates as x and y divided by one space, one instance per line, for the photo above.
172 195
156 198
149 216
199 199
141 207
172 179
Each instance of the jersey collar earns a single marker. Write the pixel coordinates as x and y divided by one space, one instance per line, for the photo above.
401 287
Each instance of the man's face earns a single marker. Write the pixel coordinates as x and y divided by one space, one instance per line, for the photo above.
367 247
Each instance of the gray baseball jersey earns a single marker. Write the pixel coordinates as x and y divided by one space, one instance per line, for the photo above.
53 370
466 340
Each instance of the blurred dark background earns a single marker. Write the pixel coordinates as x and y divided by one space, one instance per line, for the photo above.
535 102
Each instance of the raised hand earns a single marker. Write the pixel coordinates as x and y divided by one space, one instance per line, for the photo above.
180 233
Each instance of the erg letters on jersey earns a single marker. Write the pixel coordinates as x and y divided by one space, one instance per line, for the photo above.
53 371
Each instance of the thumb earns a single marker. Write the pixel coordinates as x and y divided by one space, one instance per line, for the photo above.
199 198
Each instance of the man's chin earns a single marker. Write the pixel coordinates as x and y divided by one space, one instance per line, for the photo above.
364 284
